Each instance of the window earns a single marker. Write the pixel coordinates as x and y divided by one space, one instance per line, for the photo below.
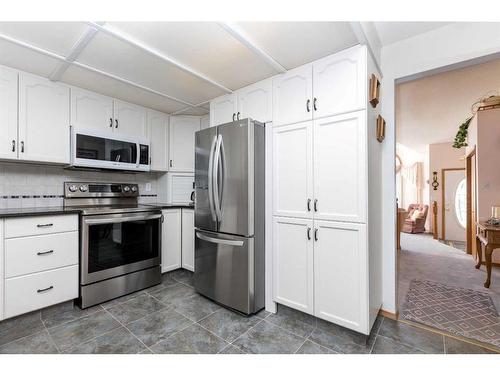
461 203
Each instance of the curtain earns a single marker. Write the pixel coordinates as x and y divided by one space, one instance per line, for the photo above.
413 183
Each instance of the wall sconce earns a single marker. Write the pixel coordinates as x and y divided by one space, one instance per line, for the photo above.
435 182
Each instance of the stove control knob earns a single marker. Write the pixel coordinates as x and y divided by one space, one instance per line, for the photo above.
83 188
72 188
126 189
134 189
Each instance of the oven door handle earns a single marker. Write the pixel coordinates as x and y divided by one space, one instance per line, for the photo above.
121 219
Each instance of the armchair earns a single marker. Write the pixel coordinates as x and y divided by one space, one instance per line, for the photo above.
415 221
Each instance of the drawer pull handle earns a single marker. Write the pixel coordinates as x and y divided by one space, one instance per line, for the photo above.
44 225
45 289
45 252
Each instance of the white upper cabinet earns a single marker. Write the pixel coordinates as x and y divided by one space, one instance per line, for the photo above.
43 120
181 140
293 170
292 93
340 171
8 114
130 119
158 138
256 101
340 274
91 111
340 83
188 239
293 263
223 109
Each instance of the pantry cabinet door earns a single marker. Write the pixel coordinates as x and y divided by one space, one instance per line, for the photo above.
188 239
43 120
130 119
293 263
256 101
340 274
292 96
340 171
340 83
8 114
91 111
171 240
158 140
181 139
293 170
223 109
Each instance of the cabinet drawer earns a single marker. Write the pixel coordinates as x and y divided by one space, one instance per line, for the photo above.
35 225
27 293
25 255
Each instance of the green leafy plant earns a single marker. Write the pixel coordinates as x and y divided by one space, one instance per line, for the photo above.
461 137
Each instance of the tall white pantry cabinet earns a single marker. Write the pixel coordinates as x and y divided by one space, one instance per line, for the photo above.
327 191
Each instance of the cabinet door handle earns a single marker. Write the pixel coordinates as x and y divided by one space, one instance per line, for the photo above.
314 104
45 289
171 163
22 146
316 234
234 115
308 233
44 225
315 205
110 122
45 252
13 145
238 116
309 204
308 104
116 123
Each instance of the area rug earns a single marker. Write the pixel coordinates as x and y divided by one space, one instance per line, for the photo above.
459 311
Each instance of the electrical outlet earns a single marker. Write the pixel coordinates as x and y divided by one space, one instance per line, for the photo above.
148 186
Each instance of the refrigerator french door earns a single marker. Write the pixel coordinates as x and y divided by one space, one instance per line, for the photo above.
229 214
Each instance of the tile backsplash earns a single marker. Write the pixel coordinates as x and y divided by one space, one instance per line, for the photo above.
30 185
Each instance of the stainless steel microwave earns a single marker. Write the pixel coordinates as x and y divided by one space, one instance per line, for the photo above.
94 149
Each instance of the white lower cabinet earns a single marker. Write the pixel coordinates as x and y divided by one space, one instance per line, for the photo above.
188 239
293 263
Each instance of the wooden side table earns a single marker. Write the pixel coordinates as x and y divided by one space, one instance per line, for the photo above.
489 236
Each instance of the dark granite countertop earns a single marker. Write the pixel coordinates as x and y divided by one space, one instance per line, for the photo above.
171 205
37 211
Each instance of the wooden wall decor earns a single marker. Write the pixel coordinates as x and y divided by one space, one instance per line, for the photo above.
435 182
374 90
380 128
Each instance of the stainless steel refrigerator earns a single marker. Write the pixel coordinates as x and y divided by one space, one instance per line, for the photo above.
229 214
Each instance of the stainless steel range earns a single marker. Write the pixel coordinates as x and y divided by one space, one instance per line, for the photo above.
120 240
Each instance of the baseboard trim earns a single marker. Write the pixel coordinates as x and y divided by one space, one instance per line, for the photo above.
389 315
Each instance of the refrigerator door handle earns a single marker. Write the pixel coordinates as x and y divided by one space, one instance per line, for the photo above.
211 180
215 173
219 240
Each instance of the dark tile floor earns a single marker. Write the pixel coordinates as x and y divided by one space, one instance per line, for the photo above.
172 318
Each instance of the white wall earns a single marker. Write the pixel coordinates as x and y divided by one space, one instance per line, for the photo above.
437 49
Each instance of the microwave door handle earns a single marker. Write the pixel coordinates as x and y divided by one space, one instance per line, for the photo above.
105 220
137 154
216 180
220 241
211 179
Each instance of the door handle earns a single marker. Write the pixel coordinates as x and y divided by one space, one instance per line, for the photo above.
234 115
110 122
314 104
308 233
316 234
22 146
170 163
45 252
308 103
315 205
238 116
309 204
13 145
220 241
116 123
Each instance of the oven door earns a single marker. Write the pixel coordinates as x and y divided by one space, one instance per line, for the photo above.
116 244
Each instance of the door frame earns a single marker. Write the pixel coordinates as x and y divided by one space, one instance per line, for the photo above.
443 173
470 236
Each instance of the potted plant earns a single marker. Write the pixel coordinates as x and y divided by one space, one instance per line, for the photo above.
461 137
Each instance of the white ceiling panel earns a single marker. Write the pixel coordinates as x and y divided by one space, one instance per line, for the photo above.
391 32
25 59
57 37
121 59
205 47
200 111
296 43
89 80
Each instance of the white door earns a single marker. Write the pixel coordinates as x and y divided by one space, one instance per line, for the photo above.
340 274
293 170
181 148
91 111
158 140
256 101
223 109
340 83
8 114
43 120
455 205
293 263
171 240
130 119
340 172
188 239
292 96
